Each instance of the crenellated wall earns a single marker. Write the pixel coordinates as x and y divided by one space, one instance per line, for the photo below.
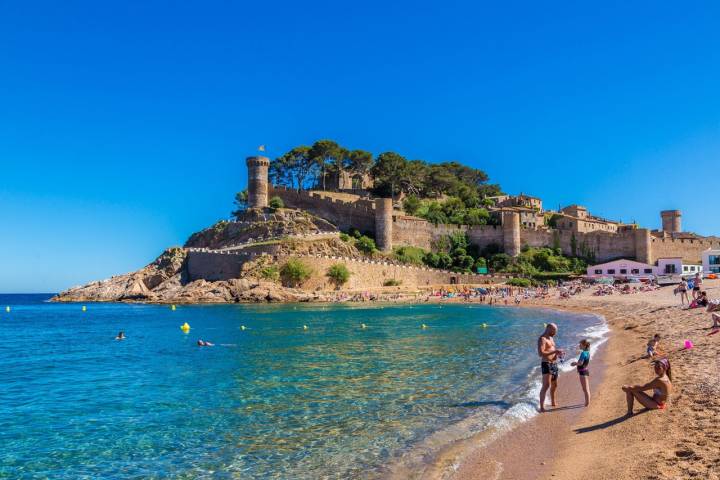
690 249
636 244
365 273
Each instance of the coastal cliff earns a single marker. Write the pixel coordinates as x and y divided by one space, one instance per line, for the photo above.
166 279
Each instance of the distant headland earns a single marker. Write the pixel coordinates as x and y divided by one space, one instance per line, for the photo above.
325 223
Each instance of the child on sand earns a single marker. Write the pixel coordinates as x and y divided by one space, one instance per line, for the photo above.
661 386
582 367
653 346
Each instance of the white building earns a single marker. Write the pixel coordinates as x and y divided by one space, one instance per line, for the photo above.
711 261
676 266
621 269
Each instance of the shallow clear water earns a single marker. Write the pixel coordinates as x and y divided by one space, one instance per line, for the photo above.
271 401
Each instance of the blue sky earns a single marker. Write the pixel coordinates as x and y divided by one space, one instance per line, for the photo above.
124 125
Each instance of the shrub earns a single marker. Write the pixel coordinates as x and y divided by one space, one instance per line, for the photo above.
354 232
411 204
344 237
392 282
366 244
338 274
499 261
294 273
519 282
275 203
412 255
271 272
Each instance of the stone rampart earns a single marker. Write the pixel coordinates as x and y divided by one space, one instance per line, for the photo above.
365 273
690 249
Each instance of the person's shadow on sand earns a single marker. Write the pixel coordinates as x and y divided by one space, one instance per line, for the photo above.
609 423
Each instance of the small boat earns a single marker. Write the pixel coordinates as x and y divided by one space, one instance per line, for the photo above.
668 279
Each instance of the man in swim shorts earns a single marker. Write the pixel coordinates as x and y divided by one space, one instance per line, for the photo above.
548 364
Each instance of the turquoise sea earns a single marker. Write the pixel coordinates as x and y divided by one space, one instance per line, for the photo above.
272 401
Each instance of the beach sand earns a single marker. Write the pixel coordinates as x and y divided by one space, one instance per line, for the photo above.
600 442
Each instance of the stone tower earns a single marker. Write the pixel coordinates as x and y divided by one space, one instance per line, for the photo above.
671 221
257 181
643 246
383 223
511 233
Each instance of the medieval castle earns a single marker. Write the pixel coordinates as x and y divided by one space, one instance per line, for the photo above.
522 223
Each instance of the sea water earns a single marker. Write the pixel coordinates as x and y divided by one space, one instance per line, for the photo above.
274 400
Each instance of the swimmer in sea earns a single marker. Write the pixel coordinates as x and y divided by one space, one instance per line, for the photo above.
203 343
120 336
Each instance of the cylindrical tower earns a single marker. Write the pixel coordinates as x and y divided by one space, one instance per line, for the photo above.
671 221
643 246
257 181
511 233
383 223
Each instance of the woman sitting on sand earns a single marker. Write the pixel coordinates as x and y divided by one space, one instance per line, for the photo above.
661 386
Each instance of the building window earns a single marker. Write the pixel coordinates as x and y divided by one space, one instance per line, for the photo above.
611 271
670 268
648 270
685 268
714 259
598 272
623 270
635 271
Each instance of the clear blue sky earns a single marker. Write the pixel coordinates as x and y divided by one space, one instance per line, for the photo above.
124 125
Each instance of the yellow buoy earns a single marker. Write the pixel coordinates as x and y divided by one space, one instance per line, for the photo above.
242 327
7 309
305 327
362 325
84 308
185 327
484 325
172 307
424 326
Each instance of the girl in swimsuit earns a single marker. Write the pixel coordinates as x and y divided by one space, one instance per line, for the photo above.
661 386
582 367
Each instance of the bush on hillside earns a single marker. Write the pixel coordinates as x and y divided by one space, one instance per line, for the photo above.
392 282
519 282
271 273
338 274
294 273
366 244
411 255
276 203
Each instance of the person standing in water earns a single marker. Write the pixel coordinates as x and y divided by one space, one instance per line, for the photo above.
548 364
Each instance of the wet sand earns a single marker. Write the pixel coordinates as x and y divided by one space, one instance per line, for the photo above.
600 441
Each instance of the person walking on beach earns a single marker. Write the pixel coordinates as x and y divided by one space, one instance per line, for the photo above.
682 290
548 364
582 364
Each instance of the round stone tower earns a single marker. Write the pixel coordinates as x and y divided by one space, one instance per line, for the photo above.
257 181
511 233
671 221
383 223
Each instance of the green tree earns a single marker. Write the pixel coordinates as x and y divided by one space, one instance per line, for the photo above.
327 154
411 204
338 274
241 202
389 173
499 261
359 161
435 213
294 273
366 244
293 169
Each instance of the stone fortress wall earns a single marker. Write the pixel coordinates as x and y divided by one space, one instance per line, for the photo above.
632 243
365 273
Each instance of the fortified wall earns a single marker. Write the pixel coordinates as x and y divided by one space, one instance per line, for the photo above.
392 228
365 273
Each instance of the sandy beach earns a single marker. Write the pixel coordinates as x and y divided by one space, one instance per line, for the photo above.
600 441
